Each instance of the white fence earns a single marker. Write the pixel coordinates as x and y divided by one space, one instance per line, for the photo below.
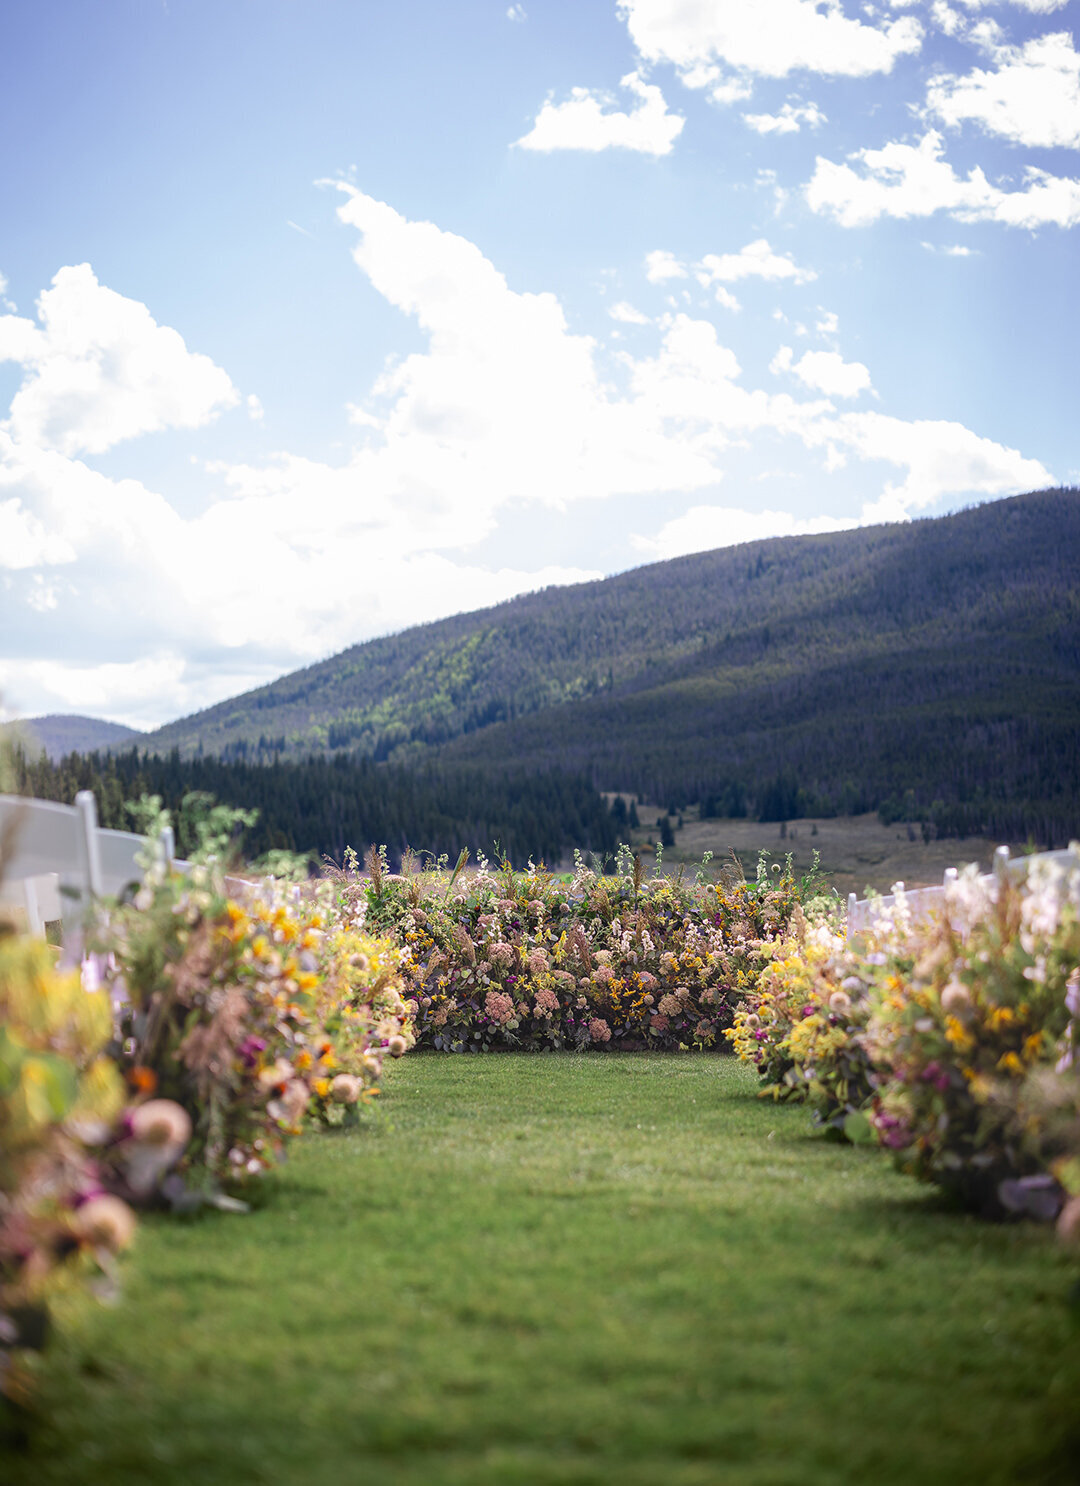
925 900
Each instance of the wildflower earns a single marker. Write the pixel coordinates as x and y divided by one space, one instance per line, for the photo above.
345 1088
840 1002
161 1122
397 1046
499 1007
143 1080
104 1222
599 1030
955 998
958 1035
1068 1224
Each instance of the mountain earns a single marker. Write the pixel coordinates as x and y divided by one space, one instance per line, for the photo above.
60 733
920 667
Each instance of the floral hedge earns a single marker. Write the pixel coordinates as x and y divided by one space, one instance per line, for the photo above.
202 1032
949 1040
527 959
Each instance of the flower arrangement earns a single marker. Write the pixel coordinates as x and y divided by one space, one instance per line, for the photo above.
949 1040
526 959
58 1091
247 1014
802 1028
967 1005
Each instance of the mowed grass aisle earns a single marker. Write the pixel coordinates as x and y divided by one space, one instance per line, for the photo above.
564 1269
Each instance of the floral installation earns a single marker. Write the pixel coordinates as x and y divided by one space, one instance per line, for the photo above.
499 958
59 1092
949 1039
802 1027
250 1015
967 1005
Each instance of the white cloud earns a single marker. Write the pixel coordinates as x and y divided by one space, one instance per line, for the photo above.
100 370
589 120
940 457
516 13
947 19
627 314
823 371
768 38
156 613
726 298
950 250
1036 7
756 261
1032 97
902 180
256 412
789 120
829 323
703 528
24 540
662 265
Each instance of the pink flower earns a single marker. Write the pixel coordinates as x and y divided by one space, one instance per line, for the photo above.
499 1007
599 1030
547 1003
658 1023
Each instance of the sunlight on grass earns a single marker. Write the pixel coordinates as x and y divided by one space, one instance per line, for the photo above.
569 1269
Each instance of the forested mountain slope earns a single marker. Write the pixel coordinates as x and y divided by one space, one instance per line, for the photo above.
60 733
940 656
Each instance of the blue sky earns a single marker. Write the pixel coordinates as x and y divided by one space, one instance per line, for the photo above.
322 319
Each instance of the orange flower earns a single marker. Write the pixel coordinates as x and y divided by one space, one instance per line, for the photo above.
142 1080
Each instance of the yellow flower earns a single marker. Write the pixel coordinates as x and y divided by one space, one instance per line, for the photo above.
1010 1063
321 1087
957 1034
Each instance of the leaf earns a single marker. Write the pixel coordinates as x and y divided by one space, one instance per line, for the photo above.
858 1128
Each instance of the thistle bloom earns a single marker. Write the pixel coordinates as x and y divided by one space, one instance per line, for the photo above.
161 1122
105 1223
345 1089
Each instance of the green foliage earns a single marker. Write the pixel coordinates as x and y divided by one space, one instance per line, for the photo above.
319 804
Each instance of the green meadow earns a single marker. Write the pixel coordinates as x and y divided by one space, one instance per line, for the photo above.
572 1269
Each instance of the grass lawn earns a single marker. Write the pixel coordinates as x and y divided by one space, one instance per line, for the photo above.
574 1269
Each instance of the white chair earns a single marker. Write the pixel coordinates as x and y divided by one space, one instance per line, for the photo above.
58 854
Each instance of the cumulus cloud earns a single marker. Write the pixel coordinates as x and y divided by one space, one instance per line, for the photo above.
703 528
155 612
756 261
766 38
902 180
1032 97
627 314
937 454
823 371
950 250
591 120
662 265
789 120
99 369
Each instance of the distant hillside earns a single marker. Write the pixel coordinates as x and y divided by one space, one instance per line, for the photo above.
939 657
61 733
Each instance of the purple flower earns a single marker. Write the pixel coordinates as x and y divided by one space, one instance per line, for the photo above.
250 1049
